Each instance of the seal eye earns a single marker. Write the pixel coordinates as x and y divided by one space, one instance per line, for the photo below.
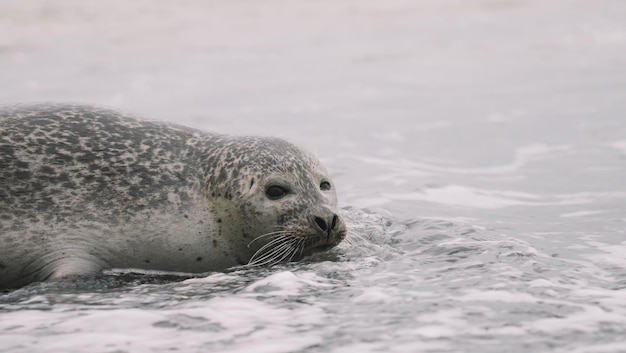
276 192
325 186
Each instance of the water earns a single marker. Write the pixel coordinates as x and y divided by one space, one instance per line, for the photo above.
479 149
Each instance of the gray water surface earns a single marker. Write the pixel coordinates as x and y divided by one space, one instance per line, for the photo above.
479 150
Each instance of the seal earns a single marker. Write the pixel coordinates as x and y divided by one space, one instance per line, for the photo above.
86 188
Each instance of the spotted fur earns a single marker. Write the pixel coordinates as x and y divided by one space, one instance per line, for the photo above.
85 188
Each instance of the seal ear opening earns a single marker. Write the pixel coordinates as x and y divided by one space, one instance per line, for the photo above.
251 183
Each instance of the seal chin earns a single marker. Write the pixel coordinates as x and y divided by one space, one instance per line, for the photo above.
322 242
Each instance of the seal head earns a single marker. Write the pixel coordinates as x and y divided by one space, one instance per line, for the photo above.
277 197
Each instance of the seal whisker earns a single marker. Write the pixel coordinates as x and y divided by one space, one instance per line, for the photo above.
302 243
293 249
277 254
280 232
283 253
255 257
354 239
274 256
298 247
271 243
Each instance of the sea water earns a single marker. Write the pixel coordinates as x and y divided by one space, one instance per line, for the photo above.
478 148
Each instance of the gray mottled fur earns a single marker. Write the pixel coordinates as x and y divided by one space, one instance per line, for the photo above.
84 188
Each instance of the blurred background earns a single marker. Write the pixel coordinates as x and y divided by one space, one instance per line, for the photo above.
450 82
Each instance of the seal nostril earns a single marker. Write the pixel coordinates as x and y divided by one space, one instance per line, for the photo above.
334 222
321 223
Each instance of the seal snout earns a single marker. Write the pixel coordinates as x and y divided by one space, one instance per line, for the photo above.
330 228
327 225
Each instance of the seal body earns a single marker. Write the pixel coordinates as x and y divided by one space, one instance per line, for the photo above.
85 188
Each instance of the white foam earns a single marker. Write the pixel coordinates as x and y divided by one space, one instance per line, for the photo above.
498 295
523 156
435 331
587 320
221 324
464 196
287 283
375 295
460 195
212 278
612 347
580 214
610 254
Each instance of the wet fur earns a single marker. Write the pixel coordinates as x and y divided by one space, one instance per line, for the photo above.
85 188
